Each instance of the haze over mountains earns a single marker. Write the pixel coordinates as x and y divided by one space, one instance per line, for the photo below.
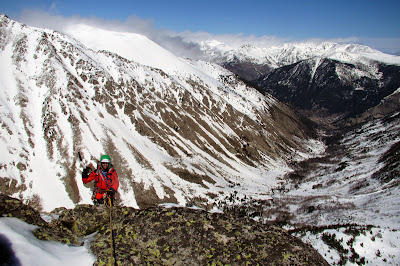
301 133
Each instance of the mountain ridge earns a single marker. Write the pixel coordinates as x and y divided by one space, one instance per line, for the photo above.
172 137
193 133
339 89
328 82
162 235
290 53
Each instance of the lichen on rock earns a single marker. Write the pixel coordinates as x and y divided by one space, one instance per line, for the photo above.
169 236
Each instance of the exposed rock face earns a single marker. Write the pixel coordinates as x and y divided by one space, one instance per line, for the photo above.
247 70
328 87
389 174
172 137
11 207
169 236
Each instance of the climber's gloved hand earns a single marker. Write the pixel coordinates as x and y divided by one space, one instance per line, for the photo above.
86 172
111 192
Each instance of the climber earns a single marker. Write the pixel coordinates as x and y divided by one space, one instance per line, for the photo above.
105 179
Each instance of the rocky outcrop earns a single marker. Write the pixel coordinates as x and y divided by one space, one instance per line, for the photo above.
11 207
329 88
247 70
168 236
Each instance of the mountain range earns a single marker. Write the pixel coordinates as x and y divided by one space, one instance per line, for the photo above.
182 131
299 134
332 80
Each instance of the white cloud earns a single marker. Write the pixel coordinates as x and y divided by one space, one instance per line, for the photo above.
167 39
184 44
234 40
387 45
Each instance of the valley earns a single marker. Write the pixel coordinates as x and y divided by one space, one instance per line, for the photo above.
304 136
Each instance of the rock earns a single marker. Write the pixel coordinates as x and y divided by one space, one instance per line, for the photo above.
11 207
328 90
176 236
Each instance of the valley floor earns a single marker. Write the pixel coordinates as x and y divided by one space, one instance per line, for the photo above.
349 199
346 202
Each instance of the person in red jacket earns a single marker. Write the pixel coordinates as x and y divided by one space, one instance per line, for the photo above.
105 179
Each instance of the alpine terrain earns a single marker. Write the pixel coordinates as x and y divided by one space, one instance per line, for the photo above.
304 136
349 194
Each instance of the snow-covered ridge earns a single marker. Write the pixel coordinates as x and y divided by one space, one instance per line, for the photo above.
176 129
140 49
289 53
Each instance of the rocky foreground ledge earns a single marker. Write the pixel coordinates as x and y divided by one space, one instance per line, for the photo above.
167 236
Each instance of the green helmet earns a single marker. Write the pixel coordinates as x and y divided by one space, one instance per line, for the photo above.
105 159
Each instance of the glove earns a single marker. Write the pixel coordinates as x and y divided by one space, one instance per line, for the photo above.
111 192
86 172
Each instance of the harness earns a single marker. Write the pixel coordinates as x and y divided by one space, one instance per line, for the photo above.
106 178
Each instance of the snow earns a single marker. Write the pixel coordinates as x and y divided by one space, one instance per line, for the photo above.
26 144
40 174
351 196
290 53
135 47
377 246
28 250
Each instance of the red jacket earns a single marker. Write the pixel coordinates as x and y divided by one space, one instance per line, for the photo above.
103 180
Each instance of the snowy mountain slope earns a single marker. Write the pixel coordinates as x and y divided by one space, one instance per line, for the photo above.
140 49
345 202
187 131
191 132
290 53
134 47
358 176
340 89
325 82
351 196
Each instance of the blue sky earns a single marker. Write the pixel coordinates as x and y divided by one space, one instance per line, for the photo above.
371 22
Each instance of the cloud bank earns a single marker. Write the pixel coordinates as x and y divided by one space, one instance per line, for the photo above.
186 44
167 39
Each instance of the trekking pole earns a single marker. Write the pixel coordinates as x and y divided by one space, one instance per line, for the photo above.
112 250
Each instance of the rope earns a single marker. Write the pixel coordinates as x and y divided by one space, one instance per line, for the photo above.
112 250
105 178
